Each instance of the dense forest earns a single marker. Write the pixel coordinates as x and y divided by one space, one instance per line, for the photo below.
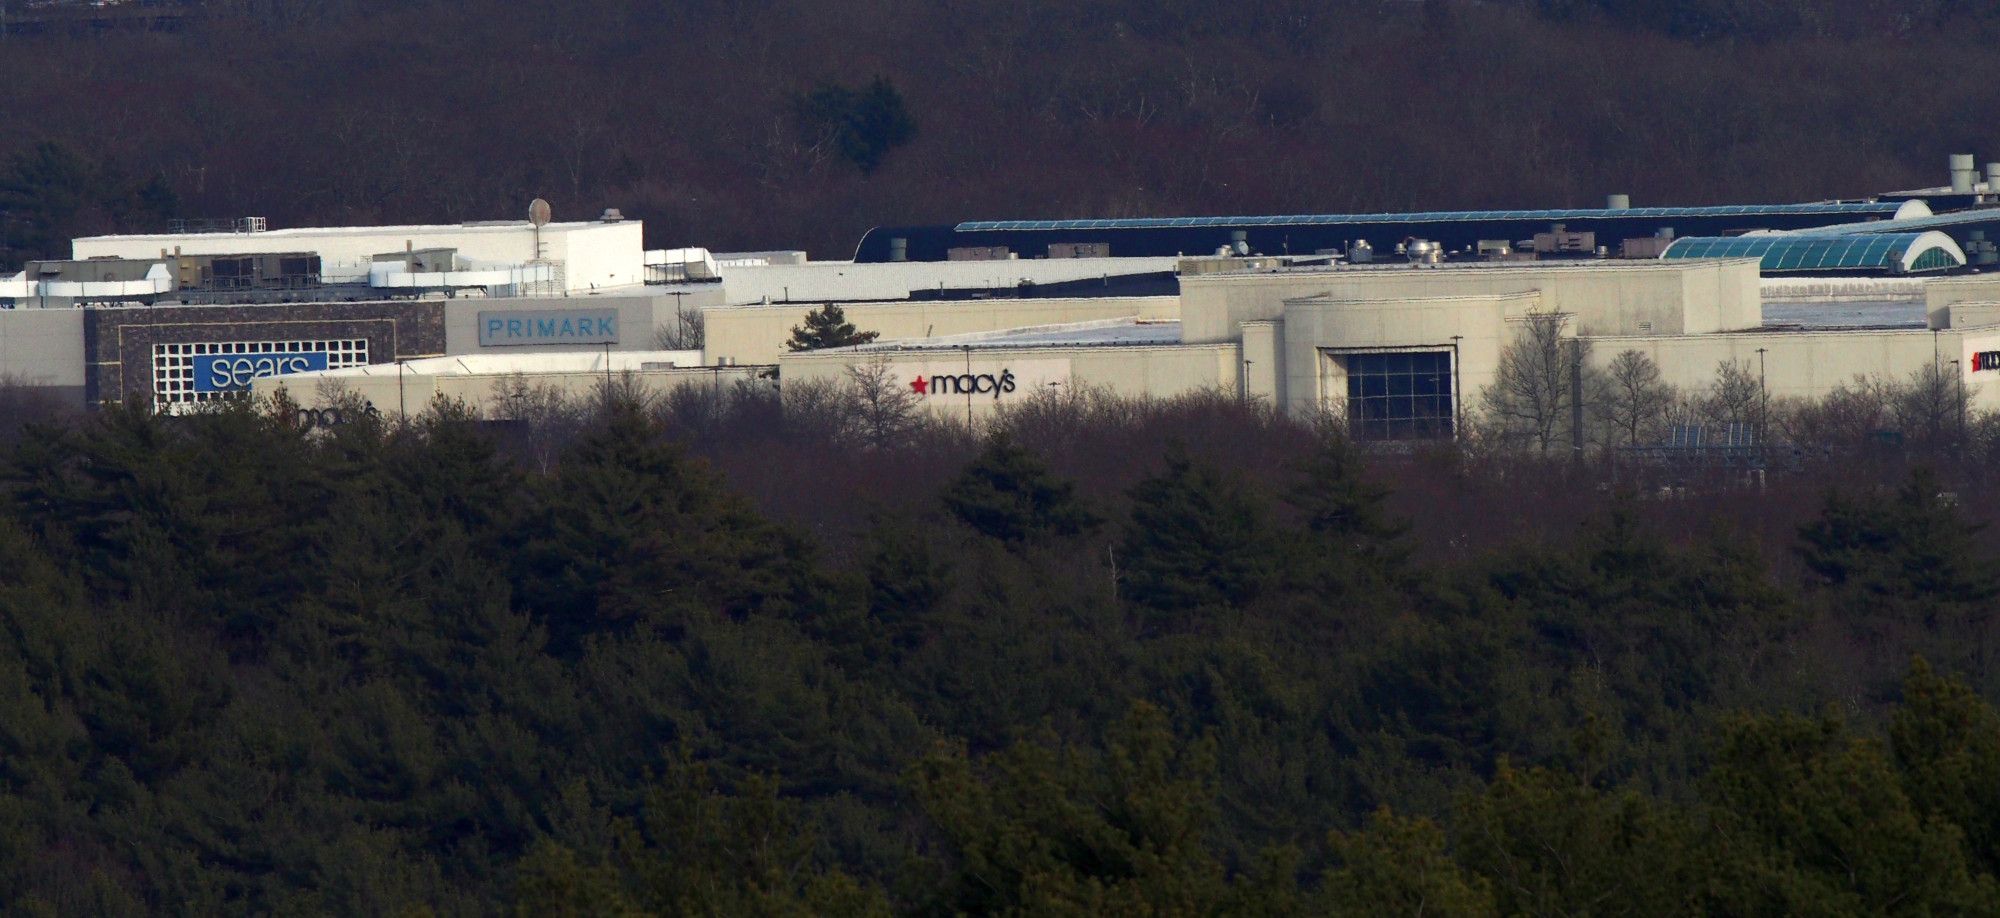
746 124
728 652
735 651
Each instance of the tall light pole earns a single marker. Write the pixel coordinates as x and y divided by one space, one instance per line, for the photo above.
1457 412
1763 395
968 389
1959 371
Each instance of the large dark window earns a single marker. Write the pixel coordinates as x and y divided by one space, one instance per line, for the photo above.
1399 396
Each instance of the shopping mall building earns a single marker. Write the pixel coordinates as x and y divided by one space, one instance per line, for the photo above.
1396 321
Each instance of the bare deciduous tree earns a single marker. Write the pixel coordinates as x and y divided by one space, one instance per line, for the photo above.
1931 406
689 330
1636 402
881 411
1531 401
1736 396
549 419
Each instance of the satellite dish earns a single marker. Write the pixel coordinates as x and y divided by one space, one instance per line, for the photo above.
538 212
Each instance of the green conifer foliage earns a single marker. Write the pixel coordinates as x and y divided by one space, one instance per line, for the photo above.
1352 554
827 327
1009 495
1399 866
1551 845
1907 572
1915 551
696 850
1037 830
1197 539
633 530
1821 825
1946 743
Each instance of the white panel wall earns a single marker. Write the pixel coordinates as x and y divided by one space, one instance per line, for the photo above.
600 255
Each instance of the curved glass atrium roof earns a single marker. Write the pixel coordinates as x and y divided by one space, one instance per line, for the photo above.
1868 209
1780 253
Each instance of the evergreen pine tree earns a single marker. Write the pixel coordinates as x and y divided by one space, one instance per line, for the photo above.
1351 546
1399 866
1916 548
1075 831
630 528
1946 742
1009 495
1826 828
827 327
1908 568
1196 539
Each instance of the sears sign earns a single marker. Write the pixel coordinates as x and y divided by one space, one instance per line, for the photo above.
233 372
516 328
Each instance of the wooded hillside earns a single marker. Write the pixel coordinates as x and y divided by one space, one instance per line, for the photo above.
707 657
761 123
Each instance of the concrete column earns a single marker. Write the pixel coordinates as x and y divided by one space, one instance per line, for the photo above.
1263 370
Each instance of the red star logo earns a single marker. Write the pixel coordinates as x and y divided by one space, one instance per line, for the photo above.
918 385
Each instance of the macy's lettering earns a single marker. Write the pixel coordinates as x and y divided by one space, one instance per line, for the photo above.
325 418
964 384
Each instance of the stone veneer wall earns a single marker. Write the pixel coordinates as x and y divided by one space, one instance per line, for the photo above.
118 342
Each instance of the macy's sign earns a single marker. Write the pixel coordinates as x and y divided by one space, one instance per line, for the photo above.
964 384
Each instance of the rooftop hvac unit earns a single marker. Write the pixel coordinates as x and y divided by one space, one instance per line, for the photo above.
695 264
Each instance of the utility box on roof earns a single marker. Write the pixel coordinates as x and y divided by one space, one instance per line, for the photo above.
978 253
1079 250
1558 239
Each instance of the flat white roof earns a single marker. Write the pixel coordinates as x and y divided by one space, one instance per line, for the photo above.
1394 263
313 232
1832 314
1126 332
506 364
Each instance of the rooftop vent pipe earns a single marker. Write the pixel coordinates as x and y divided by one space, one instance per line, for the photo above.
611 215
1964 171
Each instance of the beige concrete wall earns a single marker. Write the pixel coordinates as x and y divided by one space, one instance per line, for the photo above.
1607 297
1474 328
483 392
1134 372
1797 364
1968 315
43 347
757 334
1264 361
1944 292
1719 296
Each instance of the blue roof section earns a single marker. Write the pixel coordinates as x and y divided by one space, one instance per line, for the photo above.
1791 252
1911 225
1881 209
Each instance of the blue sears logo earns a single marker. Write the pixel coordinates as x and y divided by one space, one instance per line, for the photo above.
233 372
515 328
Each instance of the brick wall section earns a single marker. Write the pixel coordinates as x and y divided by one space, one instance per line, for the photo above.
118 343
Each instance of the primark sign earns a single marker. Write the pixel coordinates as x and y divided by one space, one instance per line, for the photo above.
524 327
